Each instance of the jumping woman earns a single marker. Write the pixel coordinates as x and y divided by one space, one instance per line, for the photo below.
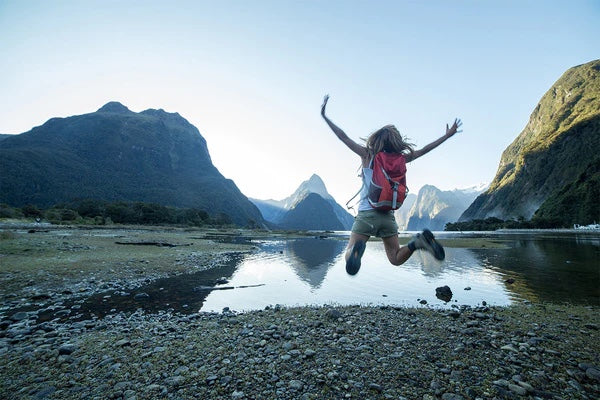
371 222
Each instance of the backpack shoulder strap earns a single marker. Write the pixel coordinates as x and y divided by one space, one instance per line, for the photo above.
348 206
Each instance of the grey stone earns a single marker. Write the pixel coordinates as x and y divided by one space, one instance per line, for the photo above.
123 343
520 390
376 387
509 347
67 349
526 386
296 384
129 395
452 396
334 314
181 370
44 392
593 374
19 316
122 385
174 380
141 296
310 353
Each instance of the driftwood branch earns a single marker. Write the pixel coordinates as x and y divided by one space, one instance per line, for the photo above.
159 244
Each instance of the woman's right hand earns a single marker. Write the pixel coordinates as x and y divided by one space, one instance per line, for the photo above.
325 99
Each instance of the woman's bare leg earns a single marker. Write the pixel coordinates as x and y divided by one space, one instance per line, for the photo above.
354 237
354 252
396 254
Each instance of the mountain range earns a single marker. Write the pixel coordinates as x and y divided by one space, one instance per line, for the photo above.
550 171
433 208
115 154
312 207
556 154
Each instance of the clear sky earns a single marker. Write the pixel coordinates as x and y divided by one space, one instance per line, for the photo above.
251 76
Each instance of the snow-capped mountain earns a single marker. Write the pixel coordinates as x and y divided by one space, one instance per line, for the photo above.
434 208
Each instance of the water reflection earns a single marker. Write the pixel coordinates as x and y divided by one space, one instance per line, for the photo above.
545 267
549 268
311 259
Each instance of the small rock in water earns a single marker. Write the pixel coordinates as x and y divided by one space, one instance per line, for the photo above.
443 293
468 288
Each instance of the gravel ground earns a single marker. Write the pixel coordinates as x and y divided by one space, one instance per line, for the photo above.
522 351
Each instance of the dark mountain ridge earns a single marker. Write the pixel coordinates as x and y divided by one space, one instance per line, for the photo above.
115 154
302 210
311 213
560 141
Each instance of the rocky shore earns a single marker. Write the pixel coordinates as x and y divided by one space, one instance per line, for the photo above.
523 351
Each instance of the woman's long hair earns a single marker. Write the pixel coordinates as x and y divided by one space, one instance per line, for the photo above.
388 139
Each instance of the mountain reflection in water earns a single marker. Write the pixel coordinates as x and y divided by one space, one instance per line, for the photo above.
311 259
534 267
311 271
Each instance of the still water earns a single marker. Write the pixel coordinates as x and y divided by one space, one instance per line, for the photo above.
512 267
539 268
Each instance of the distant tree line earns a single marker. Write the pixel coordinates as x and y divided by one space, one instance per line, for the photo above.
98 212
492 224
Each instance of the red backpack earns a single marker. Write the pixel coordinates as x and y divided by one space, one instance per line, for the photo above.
387 189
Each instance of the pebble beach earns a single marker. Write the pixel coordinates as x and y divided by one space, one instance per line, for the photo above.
525 351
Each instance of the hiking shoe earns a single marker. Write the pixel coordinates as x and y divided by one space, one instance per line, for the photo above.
353 263
426 241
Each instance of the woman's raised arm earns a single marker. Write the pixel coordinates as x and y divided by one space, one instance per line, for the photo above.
450 131
355 147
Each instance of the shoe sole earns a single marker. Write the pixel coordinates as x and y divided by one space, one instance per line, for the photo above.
436 249
353 263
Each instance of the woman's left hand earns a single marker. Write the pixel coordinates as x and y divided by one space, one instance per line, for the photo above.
454 128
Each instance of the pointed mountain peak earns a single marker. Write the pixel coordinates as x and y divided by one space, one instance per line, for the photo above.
316 185
313 185
114 107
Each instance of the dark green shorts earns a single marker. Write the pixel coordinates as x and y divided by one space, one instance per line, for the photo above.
375 223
